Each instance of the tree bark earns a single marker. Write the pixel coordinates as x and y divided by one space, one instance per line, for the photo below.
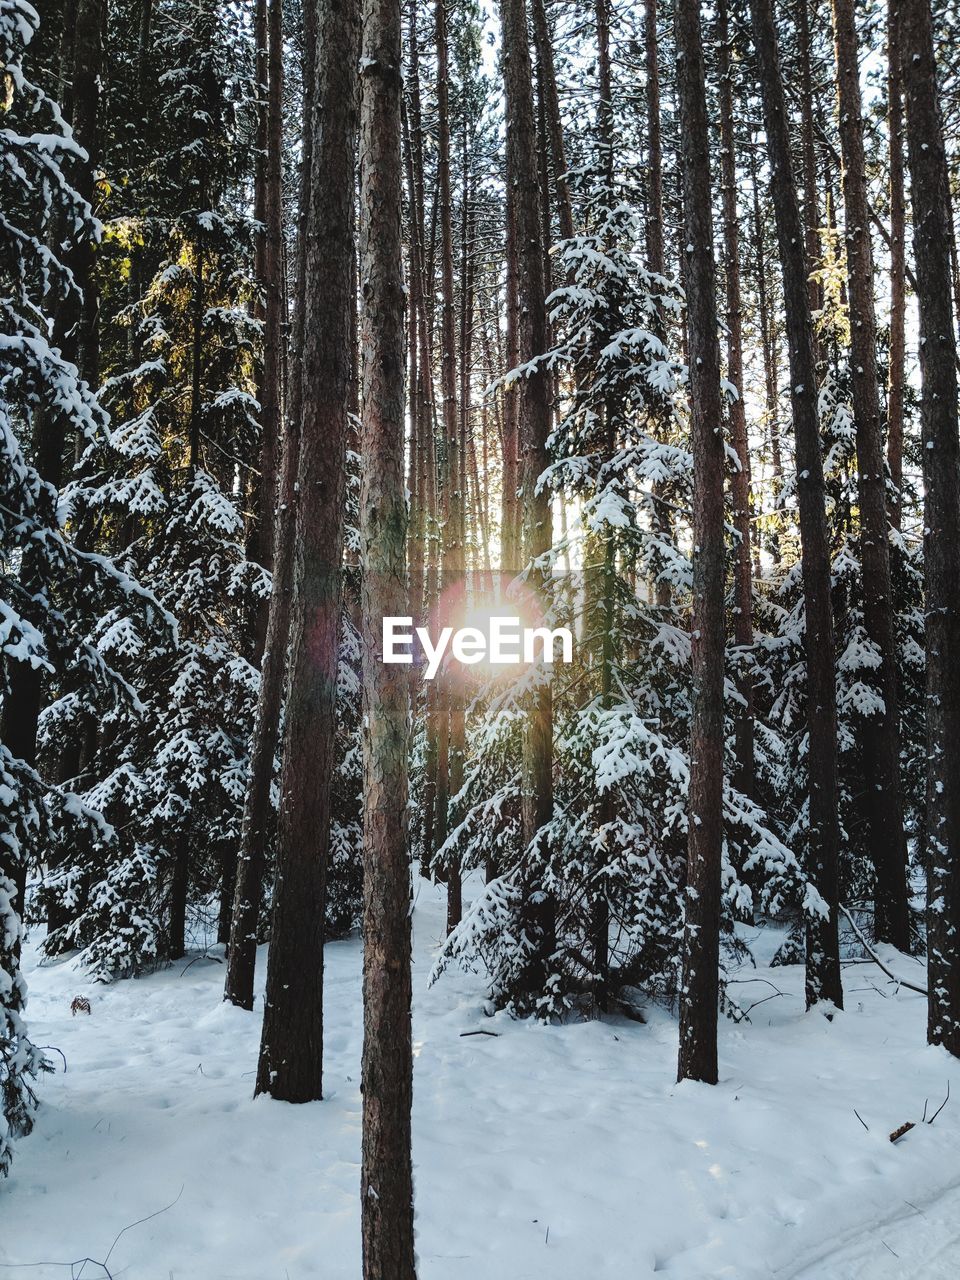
179 884
927 161
533 426
251 857
879 734
744 776
510 552
662 590
701 939
811 205
898 292
547 84
291 1048
386 1181
822 938
450 708
269 261
767 341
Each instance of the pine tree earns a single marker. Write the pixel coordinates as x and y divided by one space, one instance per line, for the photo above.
823 955
878 732
166 493
48 581
698 996
256 827
386 1184
291 1048
533 425
932 235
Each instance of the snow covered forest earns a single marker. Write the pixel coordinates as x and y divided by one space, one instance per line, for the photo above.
637 320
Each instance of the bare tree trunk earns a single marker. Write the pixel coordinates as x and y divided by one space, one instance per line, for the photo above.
270 280
655 258
547 84
291 1048
823 949
767 340
533 426
179 884
811 205
423 566
663 593
419 423
941 449
251 857
744 777
510 553
600 550
879 733
386 1182
898 292
450 700
701 939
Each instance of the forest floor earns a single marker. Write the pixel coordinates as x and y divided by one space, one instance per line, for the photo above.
541 1153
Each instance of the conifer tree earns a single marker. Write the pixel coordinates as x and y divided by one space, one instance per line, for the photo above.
386 1184
932 236
698 994
291 1048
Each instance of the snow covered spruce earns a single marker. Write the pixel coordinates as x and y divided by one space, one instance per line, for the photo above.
334 333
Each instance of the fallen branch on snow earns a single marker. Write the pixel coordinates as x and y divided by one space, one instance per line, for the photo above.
901 982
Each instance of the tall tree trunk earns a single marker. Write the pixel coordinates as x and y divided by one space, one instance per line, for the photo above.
143 40
767 339
941 449
701 939
510 552
424 513
251 857
811 205
655 258
450 700
179 884
386 1180
465 339
291 1048
600 550
419 425
269 265
823 949
898 292
663 593
744 779
879 733
533 426
547 85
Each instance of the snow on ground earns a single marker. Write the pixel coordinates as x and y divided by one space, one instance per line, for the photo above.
544 1153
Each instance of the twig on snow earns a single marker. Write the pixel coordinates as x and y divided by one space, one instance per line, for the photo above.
939 1109
139 1222
205 955
54 1048
94 1262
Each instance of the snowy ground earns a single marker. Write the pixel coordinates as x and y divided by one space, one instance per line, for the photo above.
545 1153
